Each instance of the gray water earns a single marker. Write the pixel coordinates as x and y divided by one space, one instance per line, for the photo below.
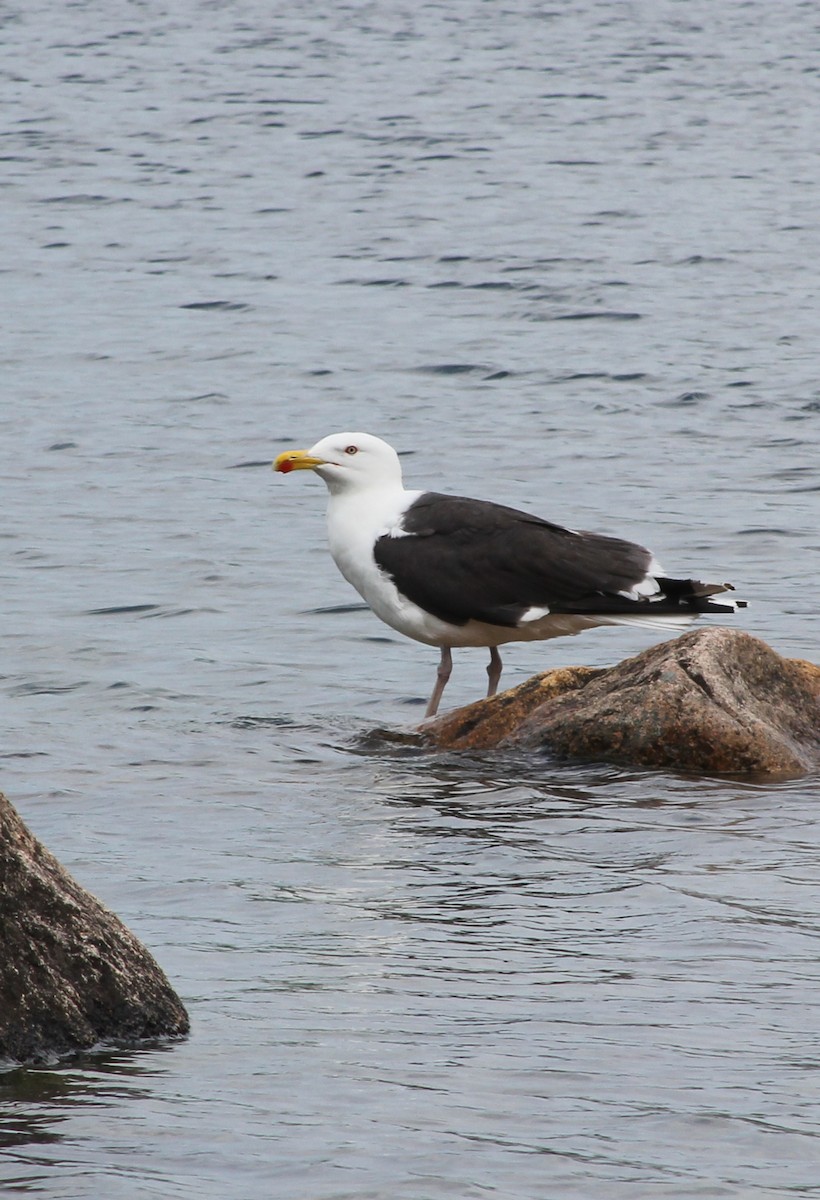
562 256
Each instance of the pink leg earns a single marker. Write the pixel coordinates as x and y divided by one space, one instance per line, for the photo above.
445 668
494 669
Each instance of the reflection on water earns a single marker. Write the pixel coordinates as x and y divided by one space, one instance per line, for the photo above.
563 260
37 1101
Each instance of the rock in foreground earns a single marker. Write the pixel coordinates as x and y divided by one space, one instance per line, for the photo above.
715 701
71 974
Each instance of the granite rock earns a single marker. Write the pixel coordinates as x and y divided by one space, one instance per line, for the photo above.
714 701
71 974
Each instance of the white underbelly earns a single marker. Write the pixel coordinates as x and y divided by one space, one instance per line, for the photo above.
382 595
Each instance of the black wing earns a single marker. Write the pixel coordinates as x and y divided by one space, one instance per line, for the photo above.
470 559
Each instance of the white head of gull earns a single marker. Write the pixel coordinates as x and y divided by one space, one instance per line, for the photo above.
450 572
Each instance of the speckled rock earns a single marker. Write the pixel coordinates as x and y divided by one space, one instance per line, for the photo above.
71 974
714 701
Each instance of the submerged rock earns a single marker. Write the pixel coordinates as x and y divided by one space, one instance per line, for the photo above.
71 974
715 701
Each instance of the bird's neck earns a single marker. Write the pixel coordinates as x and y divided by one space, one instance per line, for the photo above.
370 503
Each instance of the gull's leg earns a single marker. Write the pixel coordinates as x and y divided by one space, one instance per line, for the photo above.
494 669
445 668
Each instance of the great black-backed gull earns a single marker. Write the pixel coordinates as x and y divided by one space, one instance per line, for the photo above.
449 571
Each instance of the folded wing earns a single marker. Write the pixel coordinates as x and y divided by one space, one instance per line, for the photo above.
465 560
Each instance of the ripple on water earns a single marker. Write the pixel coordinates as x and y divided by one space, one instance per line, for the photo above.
240 227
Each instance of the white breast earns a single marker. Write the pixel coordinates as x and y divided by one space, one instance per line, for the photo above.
354 522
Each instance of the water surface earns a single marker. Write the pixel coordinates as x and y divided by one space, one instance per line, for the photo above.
561 257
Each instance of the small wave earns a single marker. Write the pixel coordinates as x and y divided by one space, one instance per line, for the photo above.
332 609
120 609
216 305
450 368
604 314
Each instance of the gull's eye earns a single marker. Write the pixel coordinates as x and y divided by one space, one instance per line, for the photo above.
351 449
